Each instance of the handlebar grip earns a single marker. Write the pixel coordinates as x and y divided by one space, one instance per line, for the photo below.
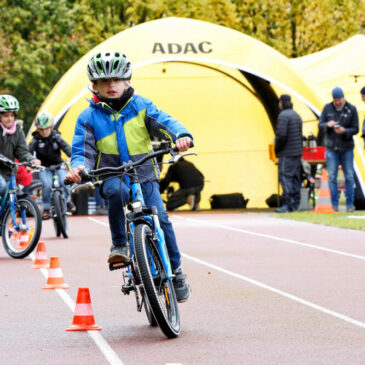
67 182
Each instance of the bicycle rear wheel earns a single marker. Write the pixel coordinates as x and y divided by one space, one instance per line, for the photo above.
147 308
60 214
19 244
159 290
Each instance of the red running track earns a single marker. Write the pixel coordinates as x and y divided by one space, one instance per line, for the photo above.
265 291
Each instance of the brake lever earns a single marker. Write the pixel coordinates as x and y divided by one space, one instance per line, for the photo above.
79 187
177 157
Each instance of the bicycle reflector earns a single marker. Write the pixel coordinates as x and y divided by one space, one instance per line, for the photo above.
136 205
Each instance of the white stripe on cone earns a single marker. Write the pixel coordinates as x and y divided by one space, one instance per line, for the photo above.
55 273
83 309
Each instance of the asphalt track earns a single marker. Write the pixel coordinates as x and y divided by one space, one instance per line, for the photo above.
265 291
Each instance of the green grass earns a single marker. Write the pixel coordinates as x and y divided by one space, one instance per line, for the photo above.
335 220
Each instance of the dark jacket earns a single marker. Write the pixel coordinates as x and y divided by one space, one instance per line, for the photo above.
183 172
14 147
288 138
347 118
48 150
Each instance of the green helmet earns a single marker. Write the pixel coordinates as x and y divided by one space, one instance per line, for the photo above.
44 120
8 104
109 65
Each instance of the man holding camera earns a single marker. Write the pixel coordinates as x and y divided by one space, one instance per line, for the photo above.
339 121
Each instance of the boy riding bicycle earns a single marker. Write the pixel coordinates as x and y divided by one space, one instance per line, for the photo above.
12 139
47 145
114 129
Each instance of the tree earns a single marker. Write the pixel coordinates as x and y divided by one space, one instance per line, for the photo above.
42 40
299 27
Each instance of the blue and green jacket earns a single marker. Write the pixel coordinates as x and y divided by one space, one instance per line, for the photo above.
106 138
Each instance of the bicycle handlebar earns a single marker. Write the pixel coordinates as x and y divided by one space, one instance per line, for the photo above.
6 160
88 175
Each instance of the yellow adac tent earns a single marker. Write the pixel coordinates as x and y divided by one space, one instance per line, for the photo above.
342 65
221 84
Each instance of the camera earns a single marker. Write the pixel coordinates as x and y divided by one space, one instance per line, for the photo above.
337 126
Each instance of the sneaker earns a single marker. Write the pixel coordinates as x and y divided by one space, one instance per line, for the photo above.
191 201
182 288
335 208
283 209
46 214
71 207
118 254
350 208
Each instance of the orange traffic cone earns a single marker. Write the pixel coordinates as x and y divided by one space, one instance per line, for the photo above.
83 316
55 278
324 205
41 259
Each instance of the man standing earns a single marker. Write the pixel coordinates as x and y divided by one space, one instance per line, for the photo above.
362 92
288 147
339 121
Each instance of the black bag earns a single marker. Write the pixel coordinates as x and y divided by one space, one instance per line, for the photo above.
227 201
272 201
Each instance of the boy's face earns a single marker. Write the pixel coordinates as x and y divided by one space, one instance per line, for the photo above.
7 119
110 88
46 132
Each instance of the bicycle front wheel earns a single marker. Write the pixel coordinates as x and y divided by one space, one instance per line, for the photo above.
60 214
20 243
158 289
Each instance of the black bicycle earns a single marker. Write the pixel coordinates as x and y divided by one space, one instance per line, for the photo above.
58 203
20 218
148 271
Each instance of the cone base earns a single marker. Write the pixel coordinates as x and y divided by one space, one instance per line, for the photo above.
324 211
40 266
75 327
59 286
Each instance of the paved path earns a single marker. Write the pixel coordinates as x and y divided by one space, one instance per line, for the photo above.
265 291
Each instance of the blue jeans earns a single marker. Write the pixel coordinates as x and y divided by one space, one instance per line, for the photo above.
46 177
3 185
346 160
117 194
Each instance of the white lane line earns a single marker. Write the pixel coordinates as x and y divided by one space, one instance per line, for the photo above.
356 216
280 292
264 235
270 288
99 340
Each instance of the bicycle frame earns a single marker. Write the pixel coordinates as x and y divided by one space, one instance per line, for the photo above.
9 198
148 215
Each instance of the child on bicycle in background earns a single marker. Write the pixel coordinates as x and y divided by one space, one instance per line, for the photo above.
116 128
47 145
12 139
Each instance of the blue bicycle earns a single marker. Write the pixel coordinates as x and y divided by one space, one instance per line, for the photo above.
20 218
148 272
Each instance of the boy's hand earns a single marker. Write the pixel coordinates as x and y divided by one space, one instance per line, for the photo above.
183 144
74 176
36 162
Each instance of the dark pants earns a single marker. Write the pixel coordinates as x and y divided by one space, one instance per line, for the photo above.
179 198
117 195
289 178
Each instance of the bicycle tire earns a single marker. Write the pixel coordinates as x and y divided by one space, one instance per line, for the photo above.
60 216
33 221
147 307
159 290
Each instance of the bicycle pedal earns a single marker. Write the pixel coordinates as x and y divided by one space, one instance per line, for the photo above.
126 289
116 265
